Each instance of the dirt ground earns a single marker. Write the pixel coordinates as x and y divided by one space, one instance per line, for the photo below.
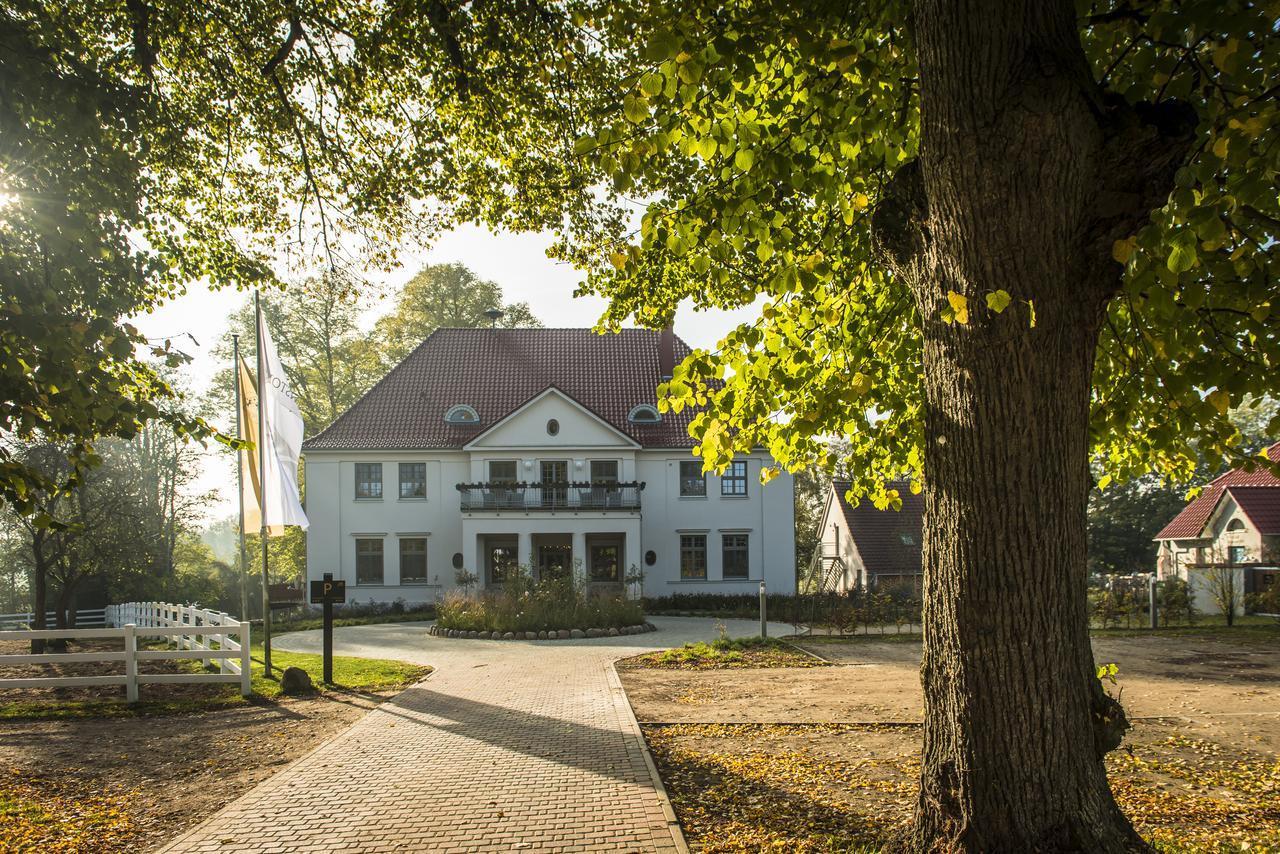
131 782
817 759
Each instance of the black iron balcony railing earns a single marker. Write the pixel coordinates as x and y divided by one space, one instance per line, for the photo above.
553 497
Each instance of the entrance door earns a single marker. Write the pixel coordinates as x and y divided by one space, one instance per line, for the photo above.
500 558
555 476
553 555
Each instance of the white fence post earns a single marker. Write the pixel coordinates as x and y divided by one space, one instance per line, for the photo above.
131 663
246 667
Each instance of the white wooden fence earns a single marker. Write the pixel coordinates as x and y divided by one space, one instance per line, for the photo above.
196 633
85 618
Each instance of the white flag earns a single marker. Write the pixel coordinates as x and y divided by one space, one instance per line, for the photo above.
282 422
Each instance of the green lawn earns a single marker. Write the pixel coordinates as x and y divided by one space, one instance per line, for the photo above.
349 674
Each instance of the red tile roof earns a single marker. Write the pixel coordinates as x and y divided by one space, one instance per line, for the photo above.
1261 504
1188 524
878 534
497 371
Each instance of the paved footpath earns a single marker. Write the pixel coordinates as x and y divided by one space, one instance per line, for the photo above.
506 746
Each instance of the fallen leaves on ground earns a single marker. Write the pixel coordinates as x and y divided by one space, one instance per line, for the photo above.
818 788
62 814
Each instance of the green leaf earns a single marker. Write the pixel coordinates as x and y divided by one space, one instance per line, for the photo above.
998 300
1182 257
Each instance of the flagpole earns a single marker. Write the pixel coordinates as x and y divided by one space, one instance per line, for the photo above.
262 480
242 556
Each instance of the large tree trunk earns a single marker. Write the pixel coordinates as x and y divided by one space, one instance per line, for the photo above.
1027 175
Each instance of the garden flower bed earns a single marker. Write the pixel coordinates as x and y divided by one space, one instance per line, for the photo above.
549 609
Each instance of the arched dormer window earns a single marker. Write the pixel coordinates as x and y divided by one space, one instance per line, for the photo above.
462 414
1235 525
644 414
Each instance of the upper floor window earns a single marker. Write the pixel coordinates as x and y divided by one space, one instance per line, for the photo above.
502 471
644 414
734 479
1236 554
604 471
462 414
368 480
413 480
1235 525
693 483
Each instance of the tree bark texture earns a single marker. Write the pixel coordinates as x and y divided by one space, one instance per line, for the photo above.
1027 175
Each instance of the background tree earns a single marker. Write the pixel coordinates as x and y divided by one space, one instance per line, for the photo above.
329 359
443 295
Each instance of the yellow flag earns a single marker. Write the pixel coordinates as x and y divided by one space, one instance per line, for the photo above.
251 496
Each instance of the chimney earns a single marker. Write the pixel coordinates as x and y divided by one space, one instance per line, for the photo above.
667 352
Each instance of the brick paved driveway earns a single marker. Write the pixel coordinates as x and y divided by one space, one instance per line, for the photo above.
507 746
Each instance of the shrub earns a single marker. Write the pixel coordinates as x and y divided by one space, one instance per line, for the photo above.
1265 602
523 605
1176 603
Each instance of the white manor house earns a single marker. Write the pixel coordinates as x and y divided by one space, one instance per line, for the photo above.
488 449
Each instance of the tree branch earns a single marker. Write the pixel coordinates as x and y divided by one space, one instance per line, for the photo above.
295 33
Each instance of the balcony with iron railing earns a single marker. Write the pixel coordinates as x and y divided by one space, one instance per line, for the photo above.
551 497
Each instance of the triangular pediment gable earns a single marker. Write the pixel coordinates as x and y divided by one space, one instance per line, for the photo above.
528 427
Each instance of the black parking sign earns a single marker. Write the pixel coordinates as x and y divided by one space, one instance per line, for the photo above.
328 590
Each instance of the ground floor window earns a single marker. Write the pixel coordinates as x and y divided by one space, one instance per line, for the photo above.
735 556
413 560
369 561
693 556
605 562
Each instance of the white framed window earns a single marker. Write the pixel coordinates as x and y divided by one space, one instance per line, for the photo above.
413 480
693 482
368 480
734 480
413 560
369 568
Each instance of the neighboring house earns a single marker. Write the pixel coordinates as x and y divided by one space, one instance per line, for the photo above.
1232 526
862 546
487 449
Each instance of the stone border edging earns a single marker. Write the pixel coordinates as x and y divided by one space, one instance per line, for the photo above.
635 732
552 634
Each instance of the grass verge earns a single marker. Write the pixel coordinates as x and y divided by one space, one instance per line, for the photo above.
726 653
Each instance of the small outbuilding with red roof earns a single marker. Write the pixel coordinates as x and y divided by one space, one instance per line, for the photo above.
1233 525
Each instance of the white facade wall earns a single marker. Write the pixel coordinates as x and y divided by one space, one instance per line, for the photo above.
766 514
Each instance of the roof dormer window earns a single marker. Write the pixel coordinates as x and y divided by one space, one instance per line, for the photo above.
644 414
462 414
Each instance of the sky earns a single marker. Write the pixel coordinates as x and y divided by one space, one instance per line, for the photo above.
517 262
